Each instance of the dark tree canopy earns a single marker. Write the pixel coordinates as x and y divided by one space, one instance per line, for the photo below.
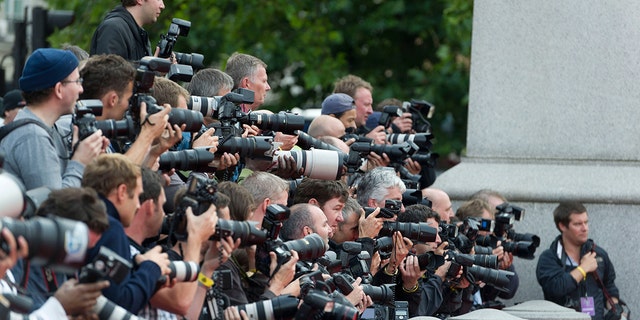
404 48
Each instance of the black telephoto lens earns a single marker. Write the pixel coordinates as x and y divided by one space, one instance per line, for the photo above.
521 249
420 232
483 250
498 278
243 230
380 294
308 248
192 159
252 147
113 129
192 119
430 261
56 242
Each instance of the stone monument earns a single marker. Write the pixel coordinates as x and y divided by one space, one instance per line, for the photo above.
553 109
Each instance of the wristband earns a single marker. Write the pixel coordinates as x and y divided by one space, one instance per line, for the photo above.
412 290
204 280
390 273
584 274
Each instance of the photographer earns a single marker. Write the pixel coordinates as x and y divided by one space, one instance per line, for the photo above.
329 195
480 209
110 79
119 183
376 186
36 152
325 125
431 283
250 73
266 189
576 273
146 224
121 30
342 107
440 203
306 219
360 91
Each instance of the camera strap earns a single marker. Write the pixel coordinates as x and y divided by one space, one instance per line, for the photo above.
5 130
601 284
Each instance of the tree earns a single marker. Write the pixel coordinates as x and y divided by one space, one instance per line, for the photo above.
406 49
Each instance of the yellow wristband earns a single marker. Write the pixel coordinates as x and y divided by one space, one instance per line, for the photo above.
204 280
412 290
390 273
584 273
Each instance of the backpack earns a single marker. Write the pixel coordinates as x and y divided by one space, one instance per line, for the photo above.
5 130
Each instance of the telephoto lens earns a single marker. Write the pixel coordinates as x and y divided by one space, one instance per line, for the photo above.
278 308
114 129
106 309
243 230
316 163
380 294
430 261
56 242
420 232
499 279
207 106
184 160
184 271
308 248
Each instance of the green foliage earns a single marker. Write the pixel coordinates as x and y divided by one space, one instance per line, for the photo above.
406 49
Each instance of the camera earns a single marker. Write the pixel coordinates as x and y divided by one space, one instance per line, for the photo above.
387 115
14 200
55 242
421 110
85 118
391 209
200 194
145 76
181 271
317 304
430 261
178 27
107 265
397 153
414 196
308 248
499 279
420 232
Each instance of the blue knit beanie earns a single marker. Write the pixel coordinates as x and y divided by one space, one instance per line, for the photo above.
46 67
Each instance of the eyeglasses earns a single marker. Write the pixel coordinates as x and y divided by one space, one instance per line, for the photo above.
79 81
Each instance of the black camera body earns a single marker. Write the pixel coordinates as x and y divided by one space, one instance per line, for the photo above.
388 114
85 118
106 265
421 110
178 27
201 193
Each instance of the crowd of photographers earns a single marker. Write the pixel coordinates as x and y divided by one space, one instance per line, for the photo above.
149 190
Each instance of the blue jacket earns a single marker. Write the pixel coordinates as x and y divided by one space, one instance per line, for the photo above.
560 287
134 292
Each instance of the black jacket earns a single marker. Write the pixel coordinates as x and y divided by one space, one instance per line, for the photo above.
119 33
560 287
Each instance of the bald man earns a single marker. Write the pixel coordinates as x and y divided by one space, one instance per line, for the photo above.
325 125
440 203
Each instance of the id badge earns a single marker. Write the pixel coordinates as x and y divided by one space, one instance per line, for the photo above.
587 306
